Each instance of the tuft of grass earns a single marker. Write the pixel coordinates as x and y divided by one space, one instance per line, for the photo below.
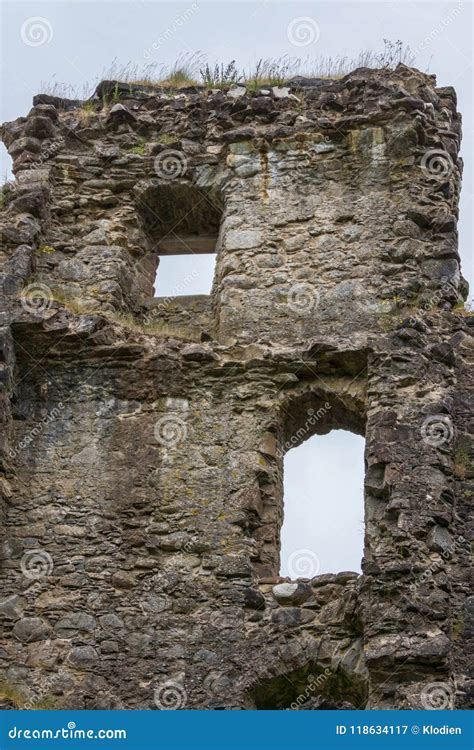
457 628
116 94
167 138
126 320
270 72
220 76
183 72
48 703
139 147
11 694
276 72
393 54
87 112
5 191
465 309
156 327
67 90
74 304
462 463
178 79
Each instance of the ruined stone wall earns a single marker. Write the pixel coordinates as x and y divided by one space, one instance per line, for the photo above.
143 440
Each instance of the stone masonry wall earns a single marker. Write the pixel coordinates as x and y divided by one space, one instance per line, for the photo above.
142 440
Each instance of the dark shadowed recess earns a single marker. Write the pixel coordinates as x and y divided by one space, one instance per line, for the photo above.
179 218
310 688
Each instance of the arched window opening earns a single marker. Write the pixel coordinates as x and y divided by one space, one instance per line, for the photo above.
323 526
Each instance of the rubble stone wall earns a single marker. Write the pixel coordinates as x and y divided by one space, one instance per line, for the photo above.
143 440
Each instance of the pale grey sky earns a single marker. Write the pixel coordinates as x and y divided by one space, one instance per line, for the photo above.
323 487
324 505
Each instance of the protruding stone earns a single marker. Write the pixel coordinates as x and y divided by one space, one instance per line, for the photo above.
291 593
253 599
123 580
119 114
237 92
11 607
31 629
77 621
280 92
287 616
83 657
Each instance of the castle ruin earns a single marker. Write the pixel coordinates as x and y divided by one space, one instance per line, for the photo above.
142 439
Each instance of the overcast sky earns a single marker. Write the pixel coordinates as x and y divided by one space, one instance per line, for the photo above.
74 42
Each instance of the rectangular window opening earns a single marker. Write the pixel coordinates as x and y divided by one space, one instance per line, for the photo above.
182 275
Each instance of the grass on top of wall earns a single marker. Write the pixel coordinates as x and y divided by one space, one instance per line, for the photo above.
195 70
